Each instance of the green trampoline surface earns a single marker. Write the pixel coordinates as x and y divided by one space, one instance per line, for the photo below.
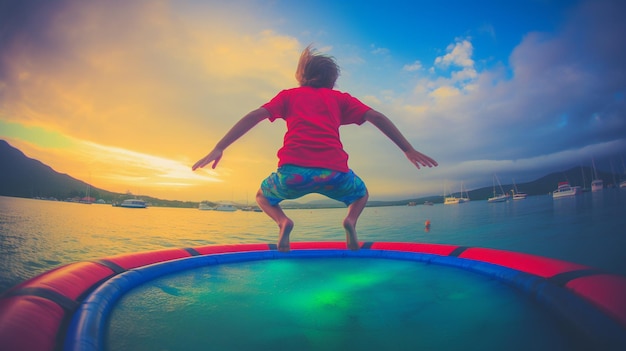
332 304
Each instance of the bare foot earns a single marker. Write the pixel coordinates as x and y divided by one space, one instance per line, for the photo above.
283 236
351 238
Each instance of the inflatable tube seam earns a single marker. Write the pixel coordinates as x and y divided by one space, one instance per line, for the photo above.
117 269
458 251
562 279
67 304
367 245
192 251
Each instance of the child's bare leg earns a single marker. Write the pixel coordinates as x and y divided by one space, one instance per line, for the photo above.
285 224
349 223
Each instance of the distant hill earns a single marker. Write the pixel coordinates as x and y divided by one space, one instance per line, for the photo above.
21 176
547 184
542 186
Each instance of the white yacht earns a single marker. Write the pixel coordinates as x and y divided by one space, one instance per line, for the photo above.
226 208
564 190
133 203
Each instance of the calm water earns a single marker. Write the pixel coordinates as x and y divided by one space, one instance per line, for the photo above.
37 235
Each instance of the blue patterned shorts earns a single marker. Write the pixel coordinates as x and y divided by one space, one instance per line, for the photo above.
292 182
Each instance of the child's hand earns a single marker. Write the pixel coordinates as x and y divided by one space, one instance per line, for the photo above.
417 158
214 156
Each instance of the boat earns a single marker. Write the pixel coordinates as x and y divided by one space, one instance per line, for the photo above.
87 200
251 209
498 198
133 203
464 195
596 184
622 184
451 200
428 203
226 208
564 189
502 197
204 206
517 195
583 189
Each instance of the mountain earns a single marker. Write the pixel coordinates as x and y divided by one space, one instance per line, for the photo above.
21 176
576 176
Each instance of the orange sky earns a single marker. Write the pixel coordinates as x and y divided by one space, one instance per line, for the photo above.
129 100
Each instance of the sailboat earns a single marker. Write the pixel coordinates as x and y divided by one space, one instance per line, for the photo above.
622 184
449 199
502 197
464 195
87 200
517 195
583 189
596 184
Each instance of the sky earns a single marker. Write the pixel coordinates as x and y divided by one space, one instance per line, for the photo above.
128 95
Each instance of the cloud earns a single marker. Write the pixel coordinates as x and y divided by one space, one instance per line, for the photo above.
379 51
458 54
415 66
487 29
138 165
556 103
445 92
126 75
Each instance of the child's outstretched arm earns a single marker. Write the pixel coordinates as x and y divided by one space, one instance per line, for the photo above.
240 128
392 132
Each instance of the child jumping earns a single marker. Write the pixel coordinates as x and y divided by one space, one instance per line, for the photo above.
312 159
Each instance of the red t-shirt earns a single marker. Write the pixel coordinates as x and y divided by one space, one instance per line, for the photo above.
313 117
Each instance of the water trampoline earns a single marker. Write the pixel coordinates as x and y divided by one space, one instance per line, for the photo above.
79 306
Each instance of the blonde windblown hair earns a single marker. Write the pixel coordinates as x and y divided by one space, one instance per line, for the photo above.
316 70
